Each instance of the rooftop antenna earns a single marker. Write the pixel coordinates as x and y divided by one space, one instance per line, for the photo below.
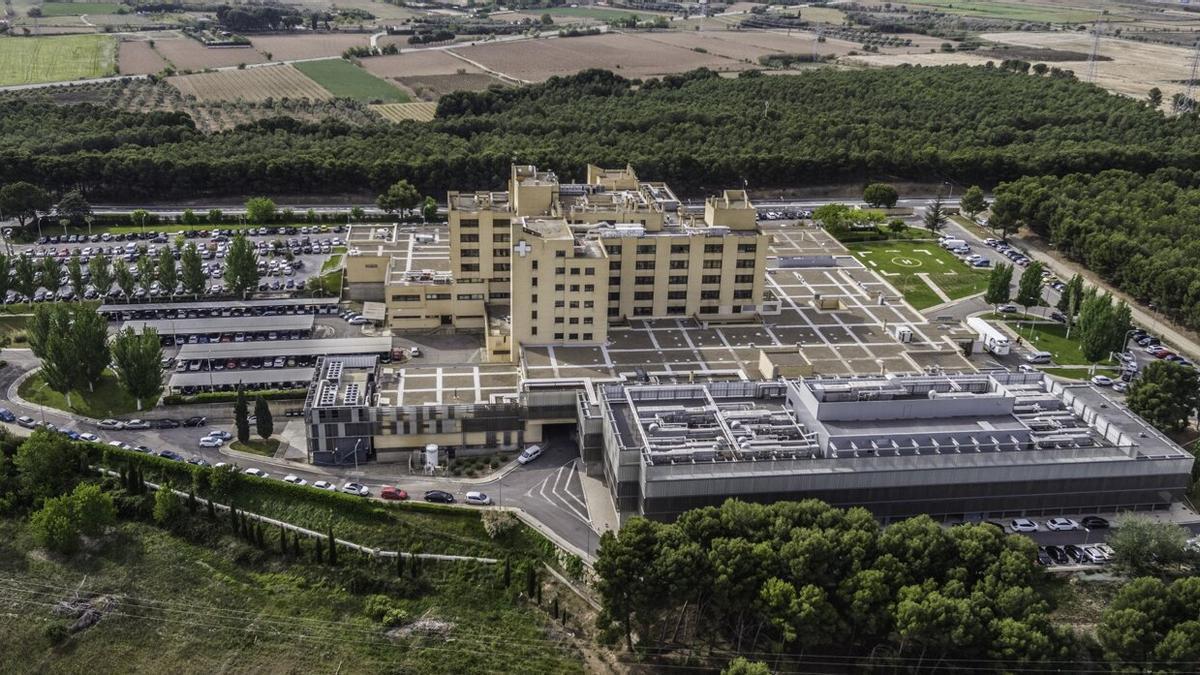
1187 104
1097 29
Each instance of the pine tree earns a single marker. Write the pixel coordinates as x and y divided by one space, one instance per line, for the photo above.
399 564
530 580
212 510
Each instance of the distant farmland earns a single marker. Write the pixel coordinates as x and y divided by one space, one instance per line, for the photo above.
28 60
346 80
398 112
251 84
80 8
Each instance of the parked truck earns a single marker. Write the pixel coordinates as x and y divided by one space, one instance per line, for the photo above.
994 340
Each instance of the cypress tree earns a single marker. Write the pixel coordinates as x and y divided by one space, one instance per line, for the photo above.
283 548
530 580
399 564
233 520
296 551
539 595
191 503
124 478
554 607
507 572
317 549
333 554
212 510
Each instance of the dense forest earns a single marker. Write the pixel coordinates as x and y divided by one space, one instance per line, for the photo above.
699 131
1141 233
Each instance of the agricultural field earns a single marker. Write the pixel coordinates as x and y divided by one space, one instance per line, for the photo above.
399 112
79 8
1037 11
433 87
188 54
344 79
292 47
919 270
748 45
418 63
54 59
250 84
598 13
627 55
139 58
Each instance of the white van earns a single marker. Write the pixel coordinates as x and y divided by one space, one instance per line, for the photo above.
1038 357
951 244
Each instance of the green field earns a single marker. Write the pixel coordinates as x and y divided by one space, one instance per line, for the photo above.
599 13
900 263
257 446
80 8
346 80
54 59
1045 11
1051 337
108 400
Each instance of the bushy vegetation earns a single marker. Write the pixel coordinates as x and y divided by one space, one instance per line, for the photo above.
974 124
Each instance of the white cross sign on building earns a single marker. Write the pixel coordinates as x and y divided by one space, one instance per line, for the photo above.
523 248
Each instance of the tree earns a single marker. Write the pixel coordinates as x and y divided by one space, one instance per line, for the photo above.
1006 214
1071 297
241 415
1029 288
215 216
189 217
547 20
24 201
89 332
139 217
47 464
972 202
145 271
137 361
193 276
53 526
880 195
75 275
25 276
1154 97
896 225
166 505
124 276
50 274
1095 321
62 360
168 275
742 666
6 274
73 207
102 277
401 196
832 216
358 214
1165 394
999 288
1143 546
263 423
241 267
92 509
935 216
260 210
429 209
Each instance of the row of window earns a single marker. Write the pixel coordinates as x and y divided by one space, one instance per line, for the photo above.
671 310
680 249
574 320
496 267
573 336
574 304
742 264
682 295
474 223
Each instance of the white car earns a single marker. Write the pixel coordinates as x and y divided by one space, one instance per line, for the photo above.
259 473
531 453
137 424
89 437
1062 525
1094 555
211 442
1106 550
115 444
295 480
358 320
478 498
356 489
1102 381
111 425
324 485
221 434
1007 309
1120 387
1023 525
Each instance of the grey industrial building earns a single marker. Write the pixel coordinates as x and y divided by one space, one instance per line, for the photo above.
954 446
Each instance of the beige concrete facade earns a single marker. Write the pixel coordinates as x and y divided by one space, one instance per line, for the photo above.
550 263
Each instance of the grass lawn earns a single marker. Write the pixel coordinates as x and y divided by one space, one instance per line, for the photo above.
80 8
28 60
257 445
1049 11
1051 337
332 262
109 399
1080 372
598 13
220 605
346 80
899 262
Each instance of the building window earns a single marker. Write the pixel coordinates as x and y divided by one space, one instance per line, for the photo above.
406 298
643 295
747 248
645 249
558 336
745 264
588 304
676 309
643 311
560 270
469 223
589 288
575 271
533 331
469 253
587 336
710 295
712 264
680 248
560 254
677 295
501 222
501 238
559 288
501 253
533 281
437 296
534 265
614 311
466 238
614 265
534 298
614 281
644 265
533 315
614 295
589 271
714 248
470 267
558 304
574 288
744 279
644 281
500 296
587 320
708 310
676 280
741 295
710 279
574 304
558 319
502 267
574 321
470 296
613 249
679 264
574 336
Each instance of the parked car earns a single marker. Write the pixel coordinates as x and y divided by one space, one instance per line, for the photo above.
1043 558
1120 387
1007 309
1102 381
172 455
294 480
1062 524
531 453
439 496
6 415
90 438
1094 523
137 424
1094 555
1057 555
356 489
258 473
221 434
1106 550
111 424
324 485
197 421
477 498
1074 552
166 423
211 442
27 422
1023 525
393 493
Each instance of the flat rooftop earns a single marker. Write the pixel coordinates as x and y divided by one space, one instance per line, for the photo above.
249 324
233 377
322 347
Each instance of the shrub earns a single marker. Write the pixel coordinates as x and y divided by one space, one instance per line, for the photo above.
496 523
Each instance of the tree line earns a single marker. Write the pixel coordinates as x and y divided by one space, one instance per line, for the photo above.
696 130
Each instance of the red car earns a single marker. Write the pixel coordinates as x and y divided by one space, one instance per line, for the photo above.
390 492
